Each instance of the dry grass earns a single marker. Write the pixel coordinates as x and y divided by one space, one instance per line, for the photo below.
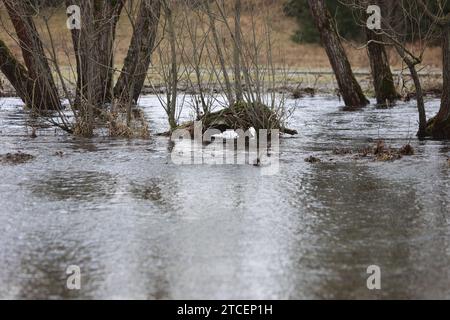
286 53
120 127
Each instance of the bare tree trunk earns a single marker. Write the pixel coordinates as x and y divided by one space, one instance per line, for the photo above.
237 47
412 61
16 74
172 94
43 93
220 53
350 89
139 55
420 101
439 126
107 16
85 52
383 80
441 123
93 46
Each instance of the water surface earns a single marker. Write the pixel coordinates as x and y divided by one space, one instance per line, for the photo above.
141 227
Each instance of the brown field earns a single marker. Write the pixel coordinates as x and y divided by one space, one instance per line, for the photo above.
286 53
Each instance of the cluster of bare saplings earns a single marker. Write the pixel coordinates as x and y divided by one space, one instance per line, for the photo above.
200 44
196 44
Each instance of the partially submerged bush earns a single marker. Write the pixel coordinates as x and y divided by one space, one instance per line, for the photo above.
82 129
407 150
121 123
299 93
242 116
128 125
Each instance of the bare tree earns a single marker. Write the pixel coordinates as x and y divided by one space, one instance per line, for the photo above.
169 53
40 92
349 88
134 72
173 71
383 79
17 75
399 40
237 48
439 126
392 32
93 45
220 51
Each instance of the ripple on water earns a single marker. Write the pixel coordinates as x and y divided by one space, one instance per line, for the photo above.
142 227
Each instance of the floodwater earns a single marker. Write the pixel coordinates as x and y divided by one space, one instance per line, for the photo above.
141 227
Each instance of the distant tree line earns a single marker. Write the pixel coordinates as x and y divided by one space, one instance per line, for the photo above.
345 17
308 33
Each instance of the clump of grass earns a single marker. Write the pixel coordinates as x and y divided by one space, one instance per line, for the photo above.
378 152
82 129
388 156
128 125
299 93
407 150
383 152
120 123
243 116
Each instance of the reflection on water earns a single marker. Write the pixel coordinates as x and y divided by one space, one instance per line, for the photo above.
150 191
77 185
142 227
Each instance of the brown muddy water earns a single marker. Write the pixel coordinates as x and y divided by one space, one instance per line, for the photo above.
141 227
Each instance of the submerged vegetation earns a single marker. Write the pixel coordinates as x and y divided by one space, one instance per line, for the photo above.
380 151
243 116
16 158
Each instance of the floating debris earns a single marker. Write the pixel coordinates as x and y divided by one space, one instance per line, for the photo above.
364 152
379 152
386 153
299 93
407 150
342 151
380 148
33 134
312 159
16 158
388 156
